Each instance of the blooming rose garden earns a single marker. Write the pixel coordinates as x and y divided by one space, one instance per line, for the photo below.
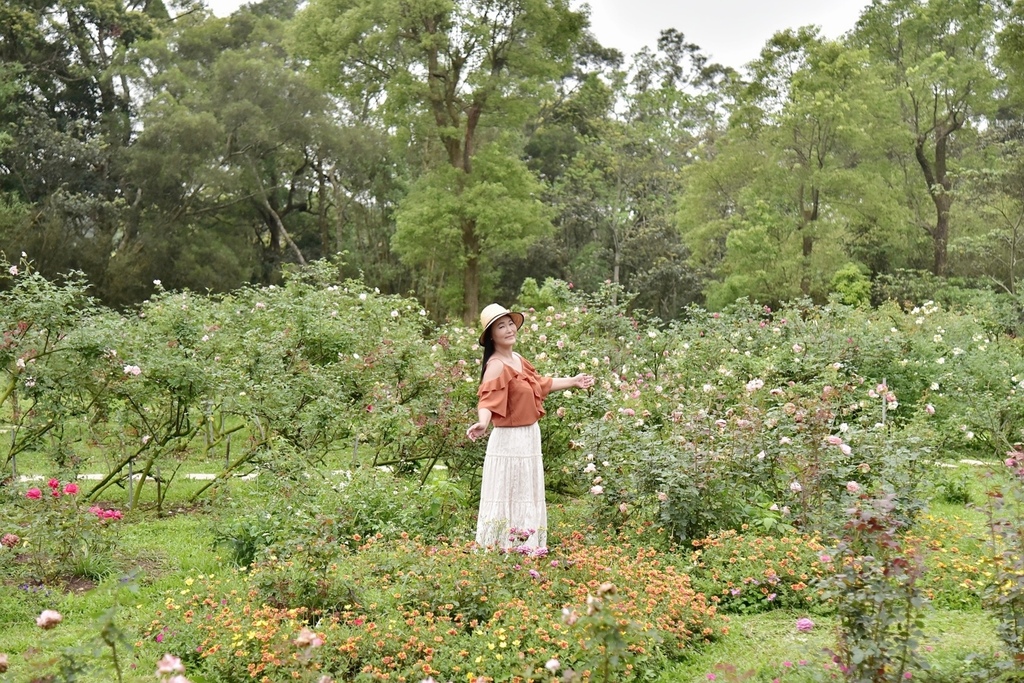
275 484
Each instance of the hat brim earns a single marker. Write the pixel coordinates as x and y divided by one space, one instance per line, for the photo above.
517 318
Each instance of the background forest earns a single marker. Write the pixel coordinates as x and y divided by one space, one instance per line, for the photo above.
455 148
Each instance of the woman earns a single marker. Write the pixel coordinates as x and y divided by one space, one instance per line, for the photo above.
511 395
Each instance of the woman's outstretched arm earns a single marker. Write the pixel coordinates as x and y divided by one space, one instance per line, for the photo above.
580 381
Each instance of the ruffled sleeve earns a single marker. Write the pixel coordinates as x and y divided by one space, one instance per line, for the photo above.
493 394
541 385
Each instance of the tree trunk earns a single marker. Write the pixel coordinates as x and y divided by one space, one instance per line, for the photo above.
322 218
808 216
939 186
275 223
940 235
471 275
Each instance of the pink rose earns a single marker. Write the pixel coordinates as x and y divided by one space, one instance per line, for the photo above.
803 624
834 439
48 619
169 664
852 486
71 489
9 540
34 494
308 638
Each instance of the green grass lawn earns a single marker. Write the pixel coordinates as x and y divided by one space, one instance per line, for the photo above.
769 646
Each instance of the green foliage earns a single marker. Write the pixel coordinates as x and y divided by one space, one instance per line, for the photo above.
295 537
752 573
551 294
852 285
954 488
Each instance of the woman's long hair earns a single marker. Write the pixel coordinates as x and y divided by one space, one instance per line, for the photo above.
488 352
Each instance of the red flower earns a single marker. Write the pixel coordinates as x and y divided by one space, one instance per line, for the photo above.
34 493
71 489
53 484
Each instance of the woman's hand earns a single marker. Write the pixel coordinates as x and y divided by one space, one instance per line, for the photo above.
583 381
477 430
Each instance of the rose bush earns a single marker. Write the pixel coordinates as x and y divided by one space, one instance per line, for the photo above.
55 534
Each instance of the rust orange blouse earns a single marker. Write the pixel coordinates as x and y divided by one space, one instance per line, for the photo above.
515 399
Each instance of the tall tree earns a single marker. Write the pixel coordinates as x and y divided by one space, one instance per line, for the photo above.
993 195
242 161
779 202
620 187
936 56
69 118
446 70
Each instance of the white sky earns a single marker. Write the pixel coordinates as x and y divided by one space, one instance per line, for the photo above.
730 32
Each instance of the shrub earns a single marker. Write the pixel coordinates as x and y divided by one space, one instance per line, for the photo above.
877 596
55 534
440 609
1004 592
852 284
748 573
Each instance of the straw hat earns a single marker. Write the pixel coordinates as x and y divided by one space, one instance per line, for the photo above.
491 313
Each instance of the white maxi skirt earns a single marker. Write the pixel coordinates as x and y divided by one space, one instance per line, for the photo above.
513 513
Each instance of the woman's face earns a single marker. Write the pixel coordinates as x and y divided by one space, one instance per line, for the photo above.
503 331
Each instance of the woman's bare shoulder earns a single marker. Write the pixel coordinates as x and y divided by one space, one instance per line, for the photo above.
494 369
